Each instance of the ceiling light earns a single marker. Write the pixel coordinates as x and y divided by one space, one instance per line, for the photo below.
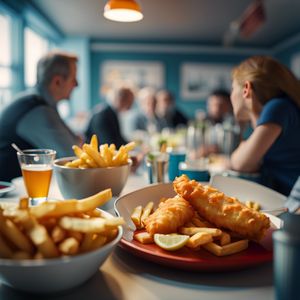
123 11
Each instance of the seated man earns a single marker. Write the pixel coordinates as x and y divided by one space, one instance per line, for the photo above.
146 119
169 116
32 120
104 121
219 106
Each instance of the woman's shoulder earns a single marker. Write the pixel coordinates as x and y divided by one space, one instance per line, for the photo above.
281 111
279 103
276 106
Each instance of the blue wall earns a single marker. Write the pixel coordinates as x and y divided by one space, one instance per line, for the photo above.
172 62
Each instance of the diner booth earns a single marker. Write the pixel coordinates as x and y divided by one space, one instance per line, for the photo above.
167 213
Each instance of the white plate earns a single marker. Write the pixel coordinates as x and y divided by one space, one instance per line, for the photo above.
246 190
6 187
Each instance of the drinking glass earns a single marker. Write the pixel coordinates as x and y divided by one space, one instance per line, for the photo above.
36 166
157 165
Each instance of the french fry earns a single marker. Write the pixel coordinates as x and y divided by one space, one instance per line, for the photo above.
76 235
69 246
94 154
130 146
225 238
98 241
114 222
147 211
112 148
106 154
83 165
143 237
87 241
83 225
58 234
10 230
193 230
40 237
110 234
94 201
228 249
60 208
136 216
88 160
8 205
94 142
5 250
93 213
77 151
24 203
198 239
74 164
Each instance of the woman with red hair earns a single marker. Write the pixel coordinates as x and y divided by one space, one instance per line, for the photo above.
268 94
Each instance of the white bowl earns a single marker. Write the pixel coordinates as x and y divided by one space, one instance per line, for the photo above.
58 274
246 190
81 183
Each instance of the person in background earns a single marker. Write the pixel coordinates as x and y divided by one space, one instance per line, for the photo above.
146 119
32 119
224 133
268 94
105 122
219 107
169 116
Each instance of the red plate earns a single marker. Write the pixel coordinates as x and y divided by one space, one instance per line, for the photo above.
202 260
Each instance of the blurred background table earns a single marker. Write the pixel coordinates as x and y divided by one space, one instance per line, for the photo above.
126 277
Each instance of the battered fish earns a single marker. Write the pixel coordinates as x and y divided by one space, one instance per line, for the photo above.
169 216
222 211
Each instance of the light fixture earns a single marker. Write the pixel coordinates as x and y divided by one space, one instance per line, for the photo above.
123 11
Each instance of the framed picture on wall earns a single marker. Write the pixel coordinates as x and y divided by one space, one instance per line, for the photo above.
135 74
198 80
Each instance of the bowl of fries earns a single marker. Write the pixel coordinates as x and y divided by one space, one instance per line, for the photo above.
56 245
93 168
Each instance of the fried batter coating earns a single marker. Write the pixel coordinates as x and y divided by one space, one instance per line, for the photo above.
170 214
222 211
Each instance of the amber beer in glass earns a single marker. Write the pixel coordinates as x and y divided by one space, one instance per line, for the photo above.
36 166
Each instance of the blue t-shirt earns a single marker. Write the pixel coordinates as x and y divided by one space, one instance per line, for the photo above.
281 163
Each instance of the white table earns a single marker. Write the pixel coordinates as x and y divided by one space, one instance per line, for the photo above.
126 277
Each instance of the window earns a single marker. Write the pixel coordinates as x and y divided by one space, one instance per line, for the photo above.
35 47
5 60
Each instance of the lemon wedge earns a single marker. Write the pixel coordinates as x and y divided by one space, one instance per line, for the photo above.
170 242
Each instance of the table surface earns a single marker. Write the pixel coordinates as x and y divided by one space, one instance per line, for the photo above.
124 276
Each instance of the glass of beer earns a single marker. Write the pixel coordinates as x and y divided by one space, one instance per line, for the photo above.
36 166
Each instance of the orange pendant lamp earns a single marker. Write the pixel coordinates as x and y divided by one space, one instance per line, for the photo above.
123 11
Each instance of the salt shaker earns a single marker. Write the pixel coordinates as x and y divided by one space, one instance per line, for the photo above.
287 258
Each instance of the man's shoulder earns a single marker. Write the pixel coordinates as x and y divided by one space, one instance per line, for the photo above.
29 98
24 101
103 109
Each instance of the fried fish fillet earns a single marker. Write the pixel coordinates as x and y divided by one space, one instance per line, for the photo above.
170 214
222 211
